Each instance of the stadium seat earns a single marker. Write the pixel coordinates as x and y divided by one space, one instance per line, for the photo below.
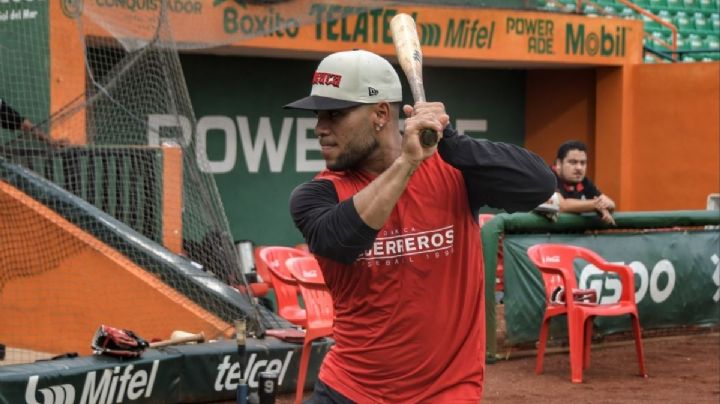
712 42
319 307
609 10
657 5
590 10
665 16
694 42
690 4
683 22
627 13
650 24
661 42
284 284
549 5
555 262
701 23
674 5
708 4
566 6
552 5
680 42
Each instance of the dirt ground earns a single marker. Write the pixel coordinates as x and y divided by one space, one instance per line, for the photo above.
681 369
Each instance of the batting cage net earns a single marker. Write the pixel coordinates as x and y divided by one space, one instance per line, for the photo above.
109 213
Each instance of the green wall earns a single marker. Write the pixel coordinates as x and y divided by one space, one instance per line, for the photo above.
24 62
241 97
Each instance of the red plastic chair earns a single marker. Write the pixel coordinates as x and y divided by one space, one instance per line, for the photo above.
264 284
555 262
319 307
284 284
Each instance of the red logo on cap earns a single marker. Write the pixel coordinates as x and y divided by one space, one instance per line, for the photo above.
327 79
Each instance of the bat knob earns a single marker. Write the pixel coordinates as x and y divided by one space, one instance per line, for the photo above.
428 138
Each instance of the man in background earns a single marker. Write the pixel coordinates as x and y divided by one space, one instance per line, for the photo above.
577 193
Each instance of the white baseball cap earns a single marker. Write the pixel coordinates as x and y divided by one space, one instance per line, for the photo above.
350 78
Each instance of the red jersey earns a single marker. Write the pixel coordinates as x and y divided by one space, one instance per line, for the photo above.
410 319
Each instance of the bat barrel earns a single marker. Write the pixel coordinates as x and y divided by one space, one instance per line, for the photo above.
407 48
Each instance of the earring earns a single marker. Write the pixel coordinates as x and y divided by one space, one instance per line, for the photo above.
378 127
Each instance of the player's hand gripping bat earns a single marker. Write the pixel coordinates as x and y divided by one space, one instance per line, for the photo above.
407 48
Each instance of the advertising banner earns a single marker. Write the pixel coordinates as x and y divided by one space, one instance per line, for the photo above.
209 372
453 34
450 34
677 279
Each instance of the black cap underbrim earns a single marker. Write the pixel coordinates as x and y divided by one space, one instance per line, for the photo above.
318 103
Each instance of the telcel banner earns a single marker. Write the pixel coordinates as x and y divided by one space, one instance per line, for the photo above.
677 280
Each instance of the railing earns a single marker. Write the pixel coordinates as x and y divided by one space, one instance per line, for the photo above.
124 182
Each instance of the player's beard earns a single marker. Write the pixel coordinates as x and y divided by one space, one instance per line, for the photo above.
356 152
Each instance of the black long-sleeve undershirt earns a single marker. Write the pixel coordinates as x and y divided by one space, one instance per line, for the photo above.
499 175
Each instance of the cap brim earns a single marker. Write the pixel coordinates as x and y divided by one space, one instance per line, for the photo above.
318 103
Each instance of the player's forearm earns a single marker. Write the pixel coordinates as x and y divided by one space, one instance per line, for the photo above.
332 229
376 201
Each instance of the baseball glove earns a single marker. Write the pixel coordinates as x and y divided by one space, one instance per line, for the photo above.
116 342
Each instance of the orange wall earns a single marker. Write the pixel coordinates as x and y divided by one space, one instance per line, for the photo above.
58 281
653 131
675 136
67 78
559 106
613 150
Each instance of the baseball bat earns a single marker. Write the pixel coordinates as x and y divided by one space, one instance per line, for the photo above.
409 54
179 337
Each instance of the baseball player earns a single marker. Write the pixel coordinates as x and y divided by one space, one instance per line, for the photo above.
394 226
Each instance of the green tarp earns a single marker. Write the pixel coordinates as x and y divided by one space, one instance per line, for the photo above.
676 279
